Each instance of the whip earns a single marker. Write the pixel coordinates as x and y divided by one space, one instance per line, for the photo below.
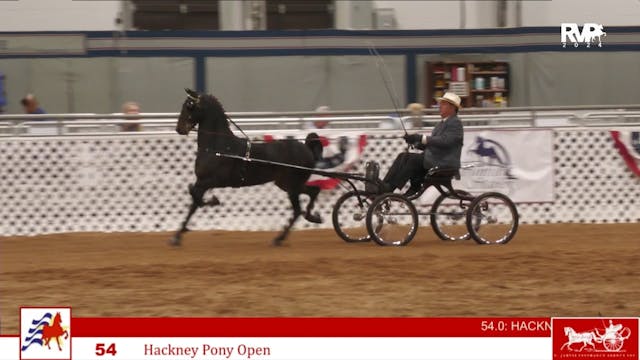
388 81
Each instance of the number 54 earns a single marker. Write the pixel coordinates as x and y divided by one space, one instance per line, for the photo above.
102 349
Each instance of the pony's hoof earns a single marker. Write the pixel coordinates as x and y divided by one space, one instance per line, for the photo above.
214 201
278 241
175 240
314 218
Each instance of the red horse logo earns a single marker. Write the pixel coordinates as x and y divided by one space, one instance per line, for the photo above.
54 331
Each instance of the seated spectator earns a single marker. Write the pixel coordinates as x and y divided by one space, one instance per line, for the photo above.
131 107
31 106
320 124
415 115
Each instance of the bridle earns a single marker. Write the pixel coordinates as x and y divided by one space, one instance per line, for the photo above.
193 102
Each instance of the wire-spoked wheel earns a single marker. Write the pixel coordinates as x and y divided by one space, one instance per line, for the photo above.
449 216
492 218
392 220
349 216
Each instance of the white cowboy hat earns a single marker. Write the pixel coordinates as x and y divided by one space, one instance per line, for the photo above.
451 98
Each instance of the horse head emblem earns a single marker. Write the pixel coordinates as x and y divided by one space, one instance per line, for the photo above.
188 119
490 151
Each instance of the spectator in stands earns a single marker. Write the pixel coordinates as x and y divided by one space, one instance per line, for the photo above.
31 106
415 115
320 124
131 107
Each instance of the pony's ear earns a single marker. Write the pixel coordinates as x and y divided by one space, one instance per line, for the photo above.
191 93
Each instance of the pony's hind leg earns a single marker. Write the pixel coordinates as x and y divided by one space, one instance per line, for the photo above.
294 197
313 192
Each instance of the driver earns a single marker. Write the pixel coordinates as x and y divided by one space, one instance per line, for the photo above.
613 329
442 148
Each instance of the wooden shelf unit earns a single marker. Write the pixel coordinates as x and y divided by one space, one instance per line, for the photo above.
484 84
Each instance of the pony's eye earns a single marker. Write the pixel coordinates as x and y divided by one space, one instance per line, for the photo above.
190 104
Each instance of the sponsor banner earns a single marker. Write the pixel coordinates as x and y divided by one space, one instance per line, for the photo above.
517 163
628 144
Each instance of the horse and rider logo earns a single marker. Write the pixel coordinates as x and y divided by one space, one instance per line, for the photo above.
45 333
584 337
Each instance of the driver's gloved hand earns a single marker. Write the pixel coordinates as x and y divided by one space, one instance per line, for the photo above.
412 139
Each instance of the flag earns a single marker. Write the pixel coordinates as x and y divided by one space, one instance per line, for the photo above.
628 145
340 153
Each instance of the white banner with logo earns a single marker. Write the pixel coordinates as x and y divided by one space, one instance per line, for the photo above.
517 163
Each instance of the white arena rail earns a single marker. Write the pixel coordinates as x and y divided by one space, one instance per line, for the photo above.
97 124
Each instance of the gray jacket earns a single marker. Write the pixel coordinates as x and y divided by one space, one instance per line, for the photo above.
444 145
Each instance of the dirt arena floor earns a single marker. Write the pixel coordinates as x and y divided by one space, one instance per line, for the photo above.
546 270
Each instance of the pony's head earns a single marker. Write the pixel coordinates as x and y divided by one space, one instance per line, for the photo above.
57 319
191 113
202 110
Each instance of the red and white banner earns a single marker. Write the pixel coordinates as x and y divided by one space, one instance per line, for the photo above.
320 338
340 153
628 144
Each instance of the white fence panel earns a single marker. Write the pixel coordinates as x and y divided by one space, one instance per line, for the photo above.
139 183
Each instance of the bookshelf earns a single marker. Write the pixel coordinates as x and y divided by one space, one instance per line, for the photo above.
479 84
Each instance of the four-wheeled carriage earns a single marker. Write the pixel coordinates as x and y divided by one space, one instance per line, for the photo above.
392 219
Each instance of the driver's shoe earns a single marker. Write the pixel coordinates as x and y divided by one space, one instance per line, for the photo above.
412 191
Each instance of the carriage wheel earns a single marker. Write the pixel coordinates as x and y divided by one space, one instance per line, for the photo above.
613 343
449 216
392 220
349 216
492 218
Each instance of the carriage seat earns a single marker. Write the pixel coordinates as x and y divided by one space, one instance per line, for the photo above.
440 178
443 172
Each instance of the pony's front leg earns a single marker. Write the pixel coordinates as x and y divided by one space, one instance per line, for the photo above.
58 341
294 197
197 192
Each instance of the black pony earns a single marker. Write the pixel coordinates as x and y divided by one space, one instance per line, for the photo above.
212 171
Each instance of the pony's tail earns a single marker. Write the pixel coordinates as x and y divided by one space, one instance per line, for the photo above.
315 145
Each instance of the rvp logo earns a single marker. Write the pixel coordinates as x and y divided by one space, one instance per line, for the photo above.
586 36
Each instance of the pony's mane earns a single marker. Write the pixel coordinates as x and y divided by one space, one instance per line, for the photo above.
212 103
